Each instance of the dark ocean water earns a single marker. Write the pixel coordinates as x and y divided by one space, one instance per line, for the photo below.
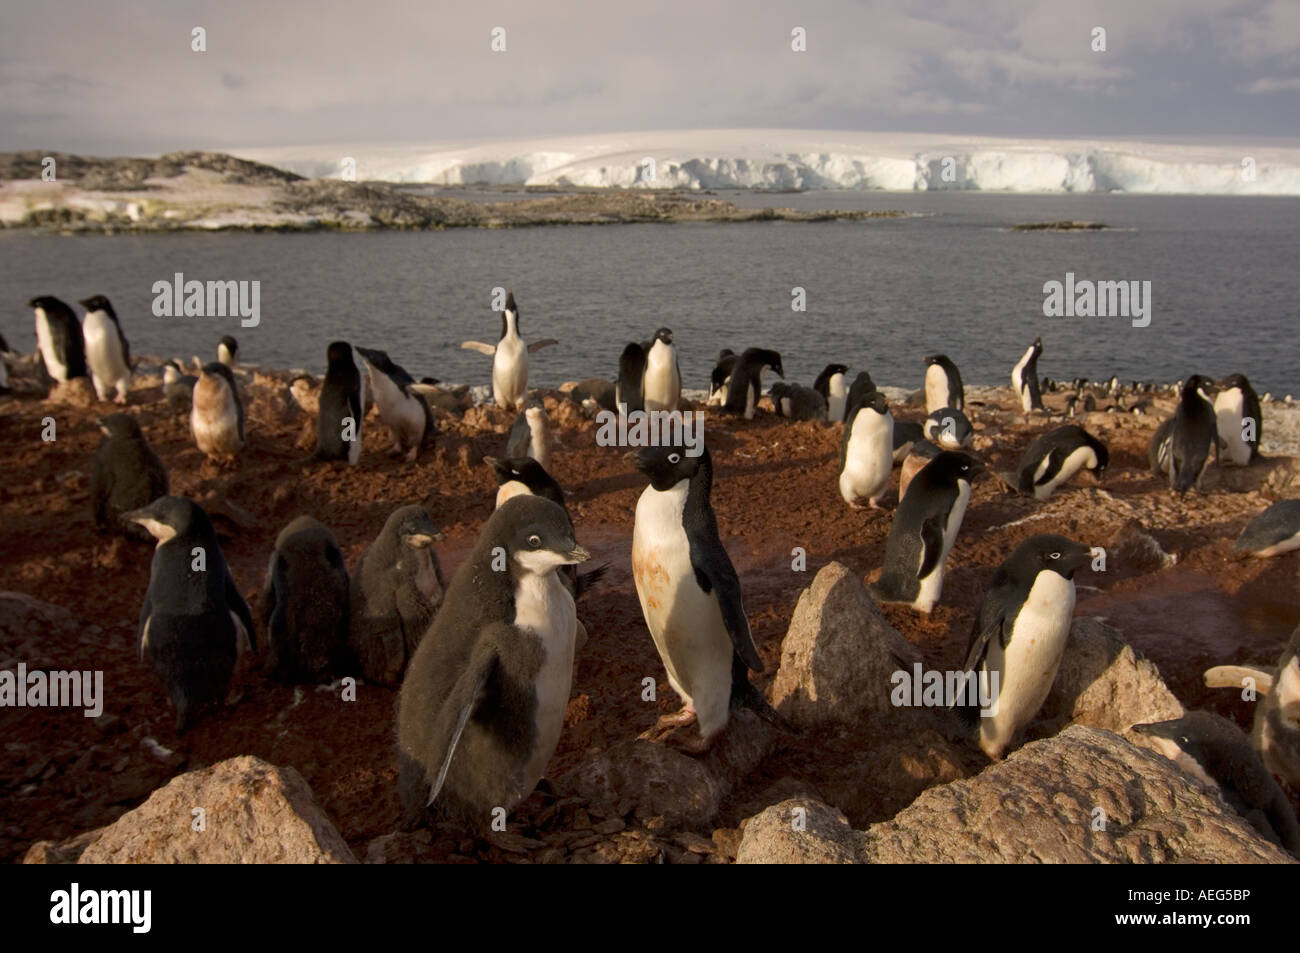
880 294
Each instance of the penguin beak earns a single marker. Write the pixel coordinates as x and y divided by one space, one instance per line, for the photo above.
578 555
633 459
1075 560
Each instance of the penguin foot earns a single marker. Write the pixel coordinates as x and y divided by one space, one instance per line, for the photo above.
855 505
688 745
667 724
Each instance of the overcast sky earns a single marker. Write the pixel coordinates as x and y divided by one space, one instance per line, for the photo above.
104 78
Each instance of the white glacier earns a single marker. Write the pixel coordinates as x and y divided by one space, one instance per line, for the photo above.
800 159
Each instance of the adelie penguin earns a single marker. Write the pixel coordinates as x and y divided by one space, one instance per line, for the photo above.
690 595
1239 419
217 413
530 435
1273 532
746 385
949 428
663 375
833 386
1181 446
629 391
509 358
1213 749
108 355
796 402
924 529
943 384
403 409
720 377
1019 637
178 387
304 604
1276 730
342 403
228 351
482 705
1024 378
194 621
395 594
127 474
1056 456
59 338
867 450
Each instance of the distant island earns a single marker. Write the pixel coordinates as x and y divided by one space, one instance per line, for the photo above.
209 191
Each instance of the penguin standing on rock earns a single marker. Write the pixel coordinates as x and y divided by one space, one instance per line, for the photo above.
194 622
943 386
395 593
483 701
58 336
217 413
663 375
1056 456
342 403
867 450
127 474
1239 420
924 529
1024 378
403 409
1019 636
304 604
108 354
831 384
509 358
690 595
746 385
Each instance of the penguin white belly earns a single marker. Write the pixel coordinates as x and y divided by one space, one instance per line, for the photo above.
785 406
751 396
684 621
836 395
719 396
932 585
1028 665
1278 548
354 445
108 370
544 608
1079 458
45 341
869 459
216 429
400 413
1018 382
1229 406
539 443
936 389
662 386
510 372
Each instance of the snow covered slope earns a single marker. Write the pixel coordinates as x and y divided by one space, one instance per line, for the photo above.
800 159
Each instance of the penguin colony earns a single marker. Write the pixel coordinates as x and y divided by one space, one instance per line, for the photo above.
485 662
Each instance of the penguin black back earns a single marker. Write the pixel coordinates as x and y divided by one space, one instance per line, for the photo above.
127 474
1194 435
631 377
65 336
340 400
746 379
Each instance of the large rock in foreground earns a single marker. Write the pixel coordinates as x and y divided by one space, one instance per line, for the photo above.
1045 804
254 813
838 655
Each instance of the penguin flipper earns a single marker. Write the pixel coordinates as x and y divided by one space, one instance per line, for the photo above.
488 349
459 705
1232 676
146 613
931 545
538 345
235 602
720 578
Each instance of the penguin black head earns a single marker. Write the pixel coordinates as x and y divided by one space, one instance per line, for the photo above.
876 401
861 386
510 302
535 533
1174 730
667 466
1038 344
725 353
339 353
416 528
98 303
1235 381
1198 382
231 347
527 471
49 304
170 516
121 426
940 359
217 369
764 357
1050 552
949 466
665 335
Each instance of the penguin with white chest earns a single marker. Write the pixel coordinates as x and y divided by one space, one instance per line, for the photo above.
403 409
1238 418
194 621
949 428
1273 532
509 358
217 413
746 384
690 595
107 352
832 385
483 701
1019 635
720 377
943 387
925 527
1056 456
867 450
1024 378
662 386
342 403
59 338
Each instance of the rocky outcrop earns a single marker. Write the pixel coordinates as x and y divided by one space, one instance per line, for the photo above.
838 655
1085 796
252 813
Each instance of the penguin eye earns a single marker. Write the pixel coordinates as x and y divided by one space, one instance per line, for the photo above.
1056 555
674 458
534 541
